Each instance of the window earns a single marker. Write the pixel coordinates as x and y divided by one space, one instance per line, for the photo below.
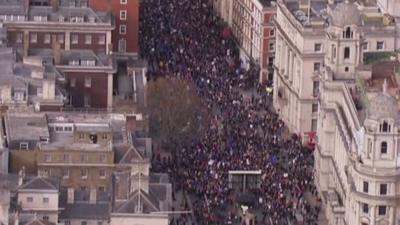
365 208
81 135
122 14
346 53
102 173
272 46
86 101
270 61
47 39
102 189
315 88
383 189
88 82
60 38
47 158
314 124
122 45
68 129
384 147
67 222
102 158
88 39
317 47
272 32
45 200
317 66
93 138
104 136
59 128
102 39
29 199
381 210
84 173
73 62
33 38
19 38
314 107
65 173
45 218
23 146
384 127
346 69
380 45
365 187
84 158
83 223
88 62
348 33
123 2
122 29
74 39
66 157
333 53
365 46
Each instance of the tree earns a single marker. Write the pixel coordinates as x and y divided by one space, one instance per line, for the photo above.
176 112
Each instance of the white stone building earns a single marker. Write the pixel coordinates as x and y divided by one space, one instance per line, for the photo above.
302 42
357 152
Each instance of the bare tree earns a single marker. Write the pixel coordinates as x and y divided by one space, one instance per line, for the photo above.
176 112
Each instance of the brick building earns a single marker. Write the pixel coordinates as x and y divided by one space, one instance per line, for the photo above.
251 24
125 36
102 29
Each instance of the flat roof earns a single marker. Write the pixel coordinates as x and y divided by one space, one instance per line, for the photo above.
24 126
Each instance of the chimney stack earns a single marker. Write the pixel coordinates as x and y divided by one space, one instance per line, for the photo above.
26 44
70 197
55 5
93 196
21 176
56 47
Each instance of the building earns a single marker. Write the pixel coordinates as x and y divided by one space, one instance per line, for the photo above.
75 39
39 196
223 9
302 40
252 27
356 156
126 34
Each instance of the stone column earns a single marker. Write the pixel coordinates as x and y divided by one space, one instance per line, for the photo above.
67 40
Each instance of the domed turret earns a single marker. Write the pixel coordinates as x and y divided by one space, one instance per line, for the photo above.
345 14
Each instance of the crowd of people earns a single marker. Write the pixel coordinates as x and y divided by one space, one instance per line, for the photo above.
183 38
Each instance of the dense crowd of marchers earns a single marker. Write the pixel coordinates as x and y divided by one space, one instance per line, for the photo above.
182 38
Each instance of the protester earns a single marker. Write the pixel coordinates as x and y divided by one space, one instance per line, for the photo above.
183 38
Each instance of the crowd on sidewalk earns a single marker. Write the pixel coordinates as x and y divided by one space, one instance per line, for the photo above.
183 38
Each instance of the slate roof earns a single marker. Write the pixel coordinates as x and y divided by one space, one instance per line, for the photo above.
40 183
149 203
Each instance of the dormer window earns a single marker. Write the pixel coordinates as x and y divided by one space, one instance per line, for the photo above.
384 127
77 19
93 138
348 33
384 148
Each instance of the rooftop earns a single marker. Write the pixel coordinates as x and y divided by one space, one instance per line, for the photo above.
17 11
41 127
24 126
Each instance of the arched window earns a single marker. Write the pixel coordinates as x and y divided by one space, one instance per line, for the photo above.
385 127
346 53
347 33
384 147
